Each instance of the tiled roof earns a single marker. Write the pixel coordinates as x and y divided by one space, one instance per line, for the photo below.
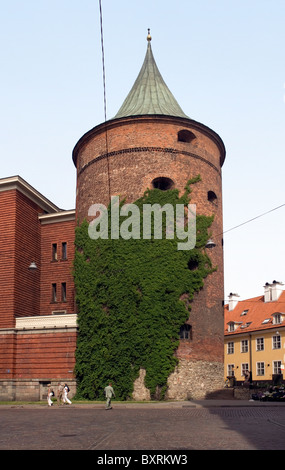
150 94
258 312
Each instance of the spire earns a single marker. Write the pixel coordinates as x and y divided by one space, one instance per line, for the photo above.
150 94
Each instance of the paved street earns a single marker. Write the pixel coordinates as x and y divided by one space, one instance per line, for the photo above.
176 428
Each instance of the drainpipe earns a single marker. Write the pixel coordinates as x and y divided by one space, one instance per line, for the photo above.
250 355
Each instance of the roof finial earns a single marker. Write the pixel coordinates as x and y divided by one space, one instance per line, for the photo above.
148 36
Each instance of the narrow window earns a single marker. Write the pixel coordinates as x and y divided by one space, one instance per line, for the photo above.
64 251
63 291
54 252
53 293
185 136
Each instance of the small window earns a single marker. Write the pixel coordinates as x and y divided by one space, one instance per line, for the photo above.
244 312
63 291
276 342
267 320
64 251
185 136
185 332
260 368
244 369
244 346
231 370
53 293
277 367
54 252
162 183
259 344
277 318
212 197
231 348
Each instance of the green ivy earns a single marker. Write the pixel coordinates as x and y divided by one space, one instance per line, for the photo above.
133 296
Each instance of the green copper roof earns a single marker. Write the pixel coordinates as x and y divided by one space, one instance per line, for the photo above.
150 94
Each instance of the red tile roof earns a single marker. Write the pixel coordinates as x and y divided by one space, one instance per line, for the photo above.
257 312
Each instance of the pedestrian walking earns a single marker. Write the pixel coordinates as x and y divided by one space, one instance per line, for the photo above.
49 395
65 392
59 393
109 393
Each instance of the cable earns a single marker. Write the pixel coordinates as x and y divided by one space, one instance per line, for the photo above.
105 100
254 218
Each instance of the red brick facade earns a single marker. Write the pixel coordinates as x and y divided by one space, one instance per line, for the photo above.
141 149
31 227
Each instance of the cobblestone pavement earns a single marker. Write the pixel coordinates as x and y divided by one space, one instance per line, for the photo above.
144 428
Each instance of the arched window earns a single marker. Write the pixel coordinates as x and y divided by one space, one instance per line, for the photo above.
185 136
162 183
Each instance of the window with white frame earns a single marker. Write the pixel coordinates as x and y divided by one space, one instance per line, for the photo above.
276 342
244 368
244 346
231 326
260 368
277 367
231 347
277 318
259 344
231 370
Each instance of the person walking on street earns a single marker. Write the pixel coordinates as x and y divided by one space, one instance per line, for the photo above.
50 394
59 393
109 393
65 392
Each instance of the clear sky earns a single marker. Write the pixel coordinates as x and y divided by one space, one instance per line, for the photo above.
224 62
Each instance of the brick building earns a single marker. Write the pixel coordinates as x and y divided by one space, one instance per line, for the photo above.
150 143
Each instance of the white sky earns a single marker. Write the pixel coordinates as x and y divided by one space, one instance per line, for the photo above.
224 62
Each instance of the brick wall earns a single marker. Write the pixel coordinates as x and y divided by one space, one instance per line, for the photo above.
57 271
140 150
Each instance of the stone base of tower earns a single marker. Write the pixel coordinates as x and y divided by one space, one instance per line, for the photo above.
195 380
191 380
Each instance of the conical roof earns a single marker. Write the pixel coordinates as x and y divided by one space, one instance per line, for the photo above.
150 94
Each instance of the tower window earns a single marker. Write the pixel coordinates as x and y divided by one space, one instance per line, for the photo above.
185 332
162 183
212 197
185 136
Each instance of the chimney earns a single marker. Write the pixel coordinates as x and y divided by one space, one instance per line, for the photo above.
276 290
233 301
267 292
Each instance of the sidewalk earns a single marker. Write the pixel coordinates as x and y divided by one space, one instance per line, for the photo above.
156 405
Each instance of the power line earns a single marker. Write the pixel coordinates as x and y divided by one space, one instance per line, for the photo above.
105 100
254 218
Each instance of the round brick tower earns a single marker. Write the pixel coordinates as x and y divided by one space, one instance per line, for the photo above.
151 143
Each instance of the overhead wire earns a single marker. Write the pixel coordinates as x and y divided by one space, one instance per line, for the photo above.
105 99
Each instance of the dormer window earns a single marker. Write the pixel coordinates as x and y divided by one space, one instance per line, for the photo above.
244 312
277 318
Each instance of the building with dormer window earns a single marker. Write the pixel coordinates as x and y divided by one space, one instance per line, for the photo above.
255 335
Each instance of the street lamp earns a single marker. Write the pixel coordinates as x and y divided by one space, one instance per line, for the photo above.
33 266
